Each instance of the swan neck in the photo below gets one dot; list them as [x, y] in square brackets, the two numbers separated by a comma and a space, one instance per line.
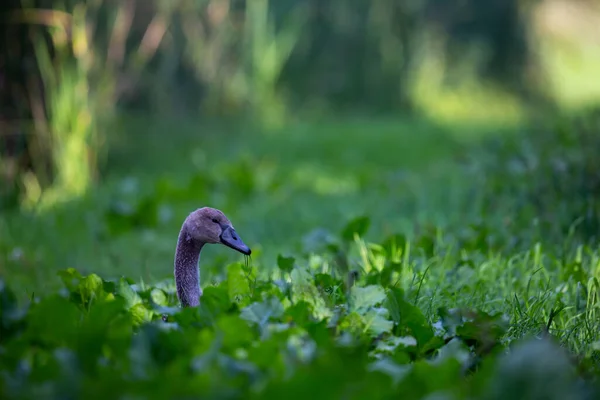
[187, 273]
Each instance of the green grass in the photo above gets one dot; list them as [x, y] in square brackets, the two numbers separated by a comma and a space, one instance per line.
[471, 235]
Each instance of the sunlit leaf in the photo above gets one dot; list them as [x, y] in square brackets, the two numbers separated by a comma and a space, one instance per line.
[91, 287]
[353, 322]
[261, 312]
[376, 322]
[303, 289]
[362, 298]
[140, 314]
[159, 297]
[126, 291]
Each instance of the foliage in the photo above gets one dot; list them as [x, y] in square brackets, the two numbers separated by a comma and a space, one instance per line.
[296, 336]
[389, 258]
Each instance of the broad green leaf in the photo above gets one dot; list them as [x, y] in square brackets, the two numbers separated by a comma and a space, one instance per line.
[236, 332]
[127, 292]
[410, 319]
[376, 321]
[352, 322]
[106, 323]
[214, 301]
[362, 298]
[372, 323]
[189, 316]
[303, 289]
[134, 303]
[267, 354]
[474, 325]
[140, 314]
[261, 312]
[238, 287]
[159, 297]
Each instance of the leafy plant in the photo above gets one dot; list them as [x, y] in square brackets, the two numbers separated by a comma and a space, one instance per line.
[249, 338]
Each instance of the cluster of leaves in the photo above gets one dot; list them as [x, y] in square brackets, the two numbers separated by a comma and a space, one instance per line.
[312, 330]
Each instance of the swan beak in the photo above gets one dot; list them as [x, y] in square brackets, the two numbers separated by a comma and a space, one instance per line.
[231, 239]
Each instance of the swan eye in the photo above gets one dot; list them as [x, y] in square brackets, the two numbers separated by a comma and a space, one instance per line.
[215, 220]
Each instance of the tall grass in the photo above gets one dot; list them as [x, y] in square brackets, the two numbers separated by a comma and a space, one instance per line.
[82, 82]
[71, 116]
[238, 56]
[266, 52]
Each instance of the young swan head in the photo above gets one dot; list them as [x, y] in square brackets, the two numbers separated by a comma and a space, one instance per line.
[209, 225]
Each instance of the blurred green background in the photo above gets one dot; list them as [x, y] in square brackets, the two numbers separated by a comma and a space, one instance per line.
[119, 117]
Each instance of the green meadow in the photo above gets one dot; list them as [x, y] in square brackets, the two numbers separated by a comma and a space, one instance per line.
[390, 257]
[418, 183]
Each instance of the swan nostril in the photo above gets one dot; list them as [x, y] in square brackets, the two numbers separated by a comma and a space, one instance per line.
[234, 238]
